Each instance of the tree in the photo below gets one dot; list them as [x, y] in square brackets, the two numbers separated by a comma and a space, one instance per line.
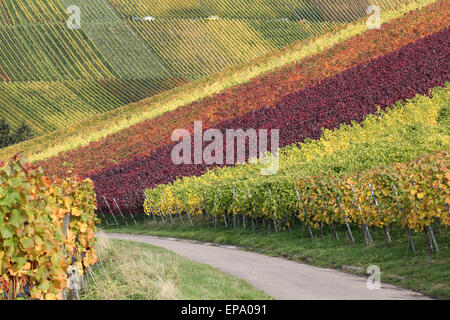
[22, 133]
[5, 130]
[8, 138]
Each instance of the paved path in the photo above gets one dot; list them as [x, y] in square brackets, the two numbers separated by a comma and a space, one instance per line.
[279, 278]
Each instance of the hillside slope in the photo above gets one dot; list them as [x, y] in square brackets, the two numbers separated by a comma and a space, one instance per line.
[98, 127]
[264, 91]
[118, 58]
[348, 80]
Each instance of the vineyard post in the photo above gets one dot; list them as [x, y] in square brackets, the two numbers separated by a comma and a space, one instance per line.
[307, 224]
[225, 221]
[385, 228]
[430, 245]
[112, 213]
[346, 221]
[408, 230]
[179, 212]
[150, 206]
[305, 213]
[170, 214]
[73, 290]
[160, 213]
[104, 217]
[120, 211]
[131, 214]
[433, 238]
[187, 211]
[367, 236]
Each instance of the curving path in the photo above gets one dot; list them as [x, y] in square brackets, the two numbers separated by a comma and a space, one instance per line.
[280, 278]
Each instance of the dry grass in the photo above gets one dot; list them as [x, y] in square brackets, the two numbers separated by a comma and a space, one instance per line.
[136, 271]
[127, 271]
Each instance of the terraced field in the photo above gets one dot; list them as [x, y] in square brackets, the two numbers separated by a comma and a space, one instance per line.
[118, 57]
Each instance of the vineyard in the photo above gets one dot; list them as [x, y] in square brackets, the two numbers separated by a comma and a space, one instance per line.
[323, 108]
[47, 226]
[42, 59]
[412, 195]
[100, 126]
[357, 120]
[154, 133]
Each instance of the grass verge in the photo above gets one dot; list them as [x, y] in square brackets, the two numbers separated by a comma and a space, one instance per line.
[138, 271]
[419, 271]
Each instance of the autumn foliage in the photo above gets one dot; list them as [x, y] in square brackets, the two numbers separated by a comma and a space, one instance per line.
[413, 194]
[342, 99]
[34, 252]
[264, 91]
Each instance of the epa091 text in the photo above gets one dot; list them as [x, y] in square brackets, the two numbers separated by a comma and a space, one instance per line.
[230, 309]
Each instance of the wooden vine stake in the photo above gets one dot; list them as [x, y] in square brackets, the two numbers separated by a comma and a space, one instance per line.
[160, 213]
[429, 243]
[104, 217]
[167, 205]
[385, 228]
[112, 213]
[73, 290]
[151, 208]
[179, 212]
[120, 211]
[367, 236]
[431, 240]
[187, 211]
[129, 212]
[350, 234]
